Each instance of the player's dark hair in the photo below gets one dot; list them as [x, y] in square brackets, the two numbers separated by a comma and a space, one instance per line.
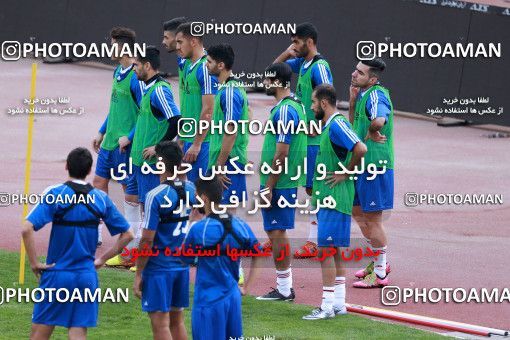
[306, 30]
[79, 163]
[377, 66]
[123, 35]
[282, 72]
[212, 188]
[170, 152]
[151, 56]
[222, 53]
[326, 91]
[185, 29]
[172, 24]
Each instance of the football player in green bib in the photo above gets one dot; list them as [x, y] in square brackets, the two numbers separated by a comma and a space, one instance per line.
[338, 144]
[283, 149]
[158, 121]
[197, 102]
[113, 141]
[371, 113]
[169, 42]
[230, 108]
[313, 70]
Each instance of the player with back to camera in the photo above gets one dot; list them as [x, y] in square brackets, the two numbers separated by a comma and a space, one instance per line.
[216, 310]
[75, 211]
[162, 281]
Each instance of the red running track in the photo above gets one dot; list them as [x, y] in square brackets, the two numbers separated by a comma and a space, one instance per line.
[429, 246]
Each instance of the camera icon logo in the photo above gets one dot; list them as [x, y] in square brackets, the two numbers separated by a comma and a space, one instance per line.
[411, 199]
[11, 50]
[187, 127]
[197, 28]
[391, 296]
[5, 200]
[366, 50]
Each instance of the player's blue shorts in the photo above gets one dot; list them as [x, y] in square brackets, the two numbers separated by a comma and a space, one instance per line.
[276, 218]
[311, 157]
[162, 290]
[334, 228]
[374, 195]
[111, 159]
[67, 314]
[223, 320]
[202, 161]
[237, 187]
[140, 184]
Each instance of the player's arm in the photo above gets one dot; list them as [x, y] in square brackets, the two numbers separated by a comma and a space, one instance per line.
[149, 227]
[280, 156]
[256, 262]
[146, 242]
[379, 110]
[96, 142]
[163, 107]
[342, 136]
[28, 239]
[121, 242]
[209, 88]
[41, 215]
[116, 225]
[286, 55]
[281, 118]
[232, 104]
[358, 151]
[166, 105]
[321, 75]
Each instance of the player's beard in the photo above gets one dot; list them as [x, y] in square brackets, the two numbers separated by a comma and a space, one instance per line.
[358, 84]
[215, 72]
[141, 75]
[319, 115]
[270, 91]
[303, 52]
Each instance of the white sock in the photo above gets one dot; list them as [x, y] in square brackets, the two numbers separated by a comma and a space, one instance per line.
[241, 273]
[99, 232]
[380, 262]
[328, 296]
[339, 292]
[284, 281]
[134, 217]
[312, 233]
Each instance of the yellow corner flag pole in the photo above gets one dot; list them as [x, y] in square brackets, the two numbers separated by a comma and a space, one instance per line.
[28, 161]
